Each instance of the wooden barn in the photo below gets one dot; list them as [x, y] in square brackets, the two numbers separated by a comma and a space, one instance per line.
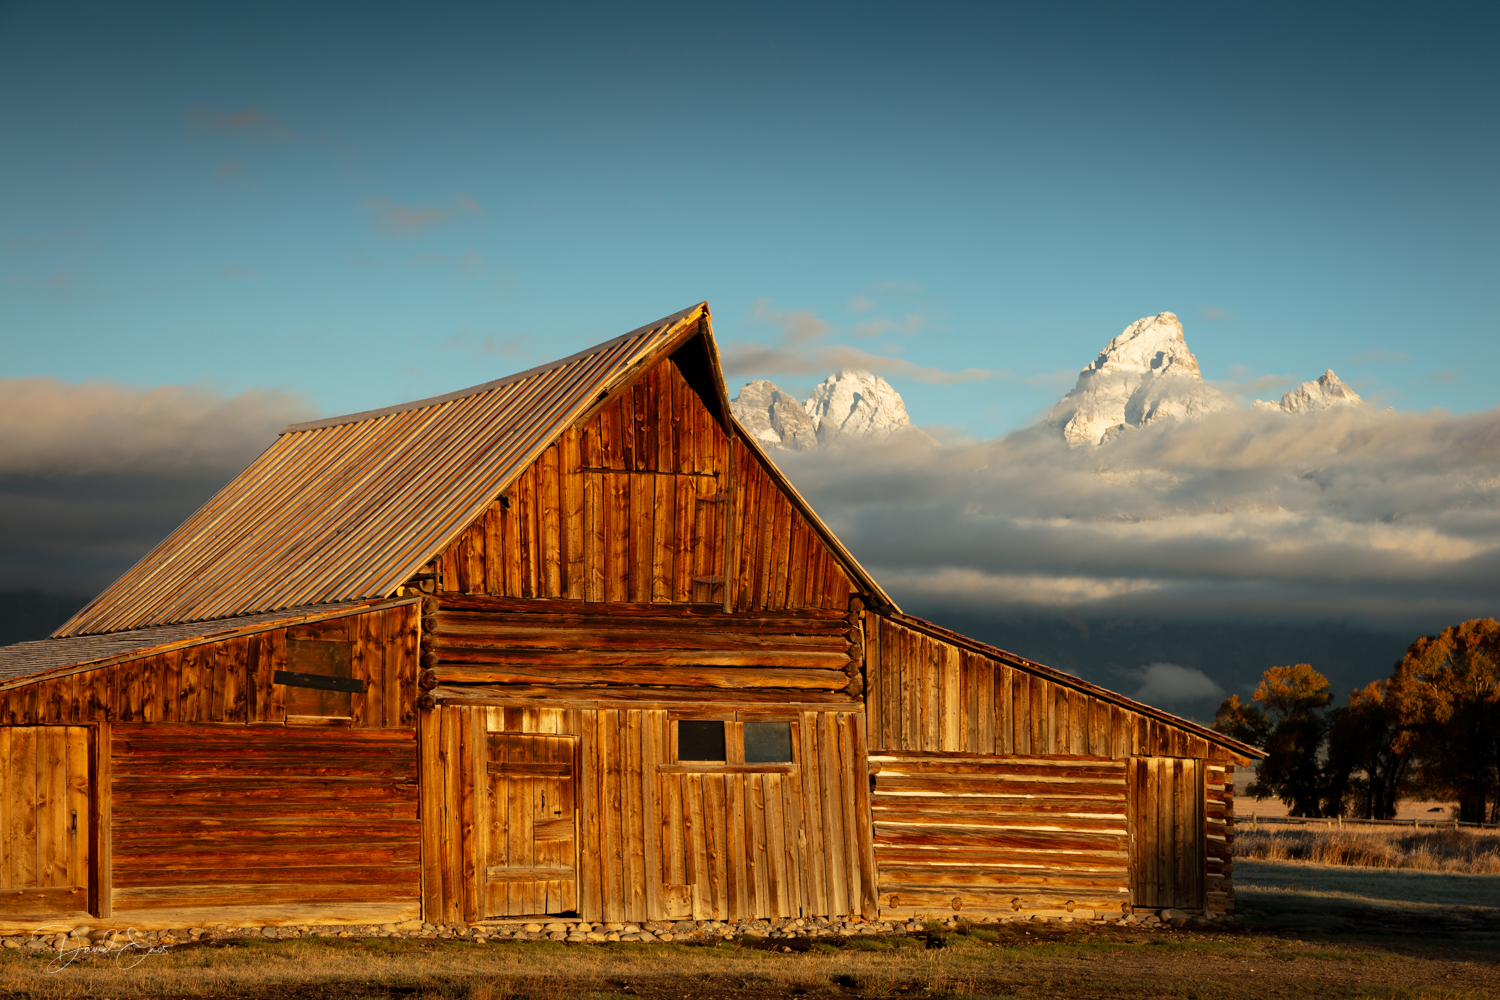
[566, 643]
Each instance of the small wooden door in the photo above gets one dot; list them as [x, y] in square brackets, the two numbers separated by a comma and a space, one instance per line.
[530, 838]
[1167, 856]
[44, 820]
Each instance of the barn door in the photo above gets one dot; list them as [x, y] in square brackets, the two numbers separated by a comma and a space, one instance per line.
[530, 842]
[44, 820]
[1166, 832]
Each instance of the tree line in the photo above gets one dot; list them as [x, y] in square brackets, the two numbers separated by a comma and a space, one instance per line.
[1432, 730]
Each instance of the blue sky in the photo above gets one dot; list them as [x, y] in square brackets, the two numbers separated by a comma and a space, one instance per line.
[366, 203]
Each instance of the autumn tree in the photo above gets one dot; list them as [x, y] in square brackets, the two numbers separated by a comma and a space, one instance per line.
[1445, 695]
[1287, 721]
[1367, 764]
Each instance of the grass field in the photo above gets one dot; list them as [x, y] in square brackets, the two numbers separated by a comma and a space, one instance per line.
[1474, 852]
[1041, 960]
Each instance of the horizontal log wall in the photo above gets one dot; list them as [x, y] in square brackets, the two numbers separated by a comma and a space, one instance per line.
[975, 834]
[231, 680]
[630, 507]
[927, 694]
[233, 816]
[1219, 824]
[473, 640]
[662, 841]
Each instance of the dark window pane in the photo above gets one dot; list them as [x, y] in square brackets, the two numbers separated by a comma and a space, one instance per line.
[768, 743]
[698, 740]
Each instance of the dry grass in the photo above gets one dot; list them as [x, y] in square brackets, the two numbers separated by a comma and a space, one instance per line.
[1041, 962]
[1470, 852]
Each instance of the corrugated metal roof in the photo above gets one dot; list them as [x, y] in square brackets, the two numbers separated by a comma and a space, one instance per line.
[26, 658]
[350, 507]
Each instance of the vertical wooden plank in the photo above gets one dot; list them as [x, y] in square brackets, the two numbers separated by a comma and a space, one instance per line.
[795, 840]
[634, 825]
[472, 771]
[10, 796]
[663, 537]
[836, 814]
[932, 694]
[575, 575]
[676, 862]
[721, 834]
[23, 816]
[51, 800]
[76, 748]
[850, 763]
[612, 846]
[101, 820]
[653, 737]
[780, 594]
[813, 806]
[594, 520]
[863, 824]
[778, 875]
[757, 859]
[740, 883]
[696, 833]
[549, 507]
[590, 855]
[948, 665]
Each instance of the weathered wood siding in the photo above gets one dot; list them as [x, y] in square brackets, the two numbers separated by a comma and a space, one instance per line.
[471, 640]
[777, 560]
[231, 681]
[975, 834]
[658, 840]
[630, 507]
[1167, 832]
[927, 694]
[1219, 833]
[263, 817]
[45, 841]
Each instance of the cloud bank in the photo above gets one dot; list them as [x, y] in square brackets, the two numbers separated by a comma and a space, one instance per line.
[94, 474]
[1378, 516]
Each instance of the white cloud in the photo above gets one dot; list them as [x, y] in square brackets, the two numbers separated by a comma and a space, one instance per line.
[1167, 684]
[94, 474]
[1352, 513]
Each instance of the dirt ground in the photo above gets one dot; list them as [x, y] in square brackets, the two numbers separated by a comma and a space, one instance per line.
[1304, 933]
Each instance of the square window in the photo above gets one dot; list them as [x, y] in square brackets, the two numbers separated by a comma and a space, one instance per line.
[700, 740]
[768, 743]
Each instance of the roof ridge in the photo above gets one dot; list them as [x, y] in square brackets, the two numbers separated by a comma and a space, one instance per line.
[417, 404]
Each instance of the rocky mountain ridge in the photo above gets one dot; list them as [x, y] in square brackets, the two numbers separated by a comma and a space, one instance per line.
[1324, 394]
[1144, 375]
[849, 404]
[1148, 374]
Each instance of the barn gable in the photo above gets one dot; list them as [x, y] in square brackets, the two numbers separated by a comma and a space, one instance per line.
[648, 500]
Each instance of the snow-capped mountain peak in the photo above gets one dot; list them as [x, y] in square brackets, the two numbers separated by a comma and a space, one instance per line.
[1145, 374]
[1324, 394]
[856, 403]
[776, 419]
[847, 404]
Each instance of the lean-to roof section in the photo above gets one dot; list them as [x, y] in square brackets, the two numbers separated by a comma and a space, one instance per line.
[350, 507]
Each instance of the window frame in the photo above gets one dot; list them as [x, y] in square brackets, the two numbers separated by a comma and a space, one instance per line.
[734, 742]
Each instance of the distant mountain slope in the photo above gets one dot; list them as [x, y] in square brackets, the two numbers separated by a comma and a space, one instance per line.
[849, 404]
[1145, 374]
[1324, 394]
